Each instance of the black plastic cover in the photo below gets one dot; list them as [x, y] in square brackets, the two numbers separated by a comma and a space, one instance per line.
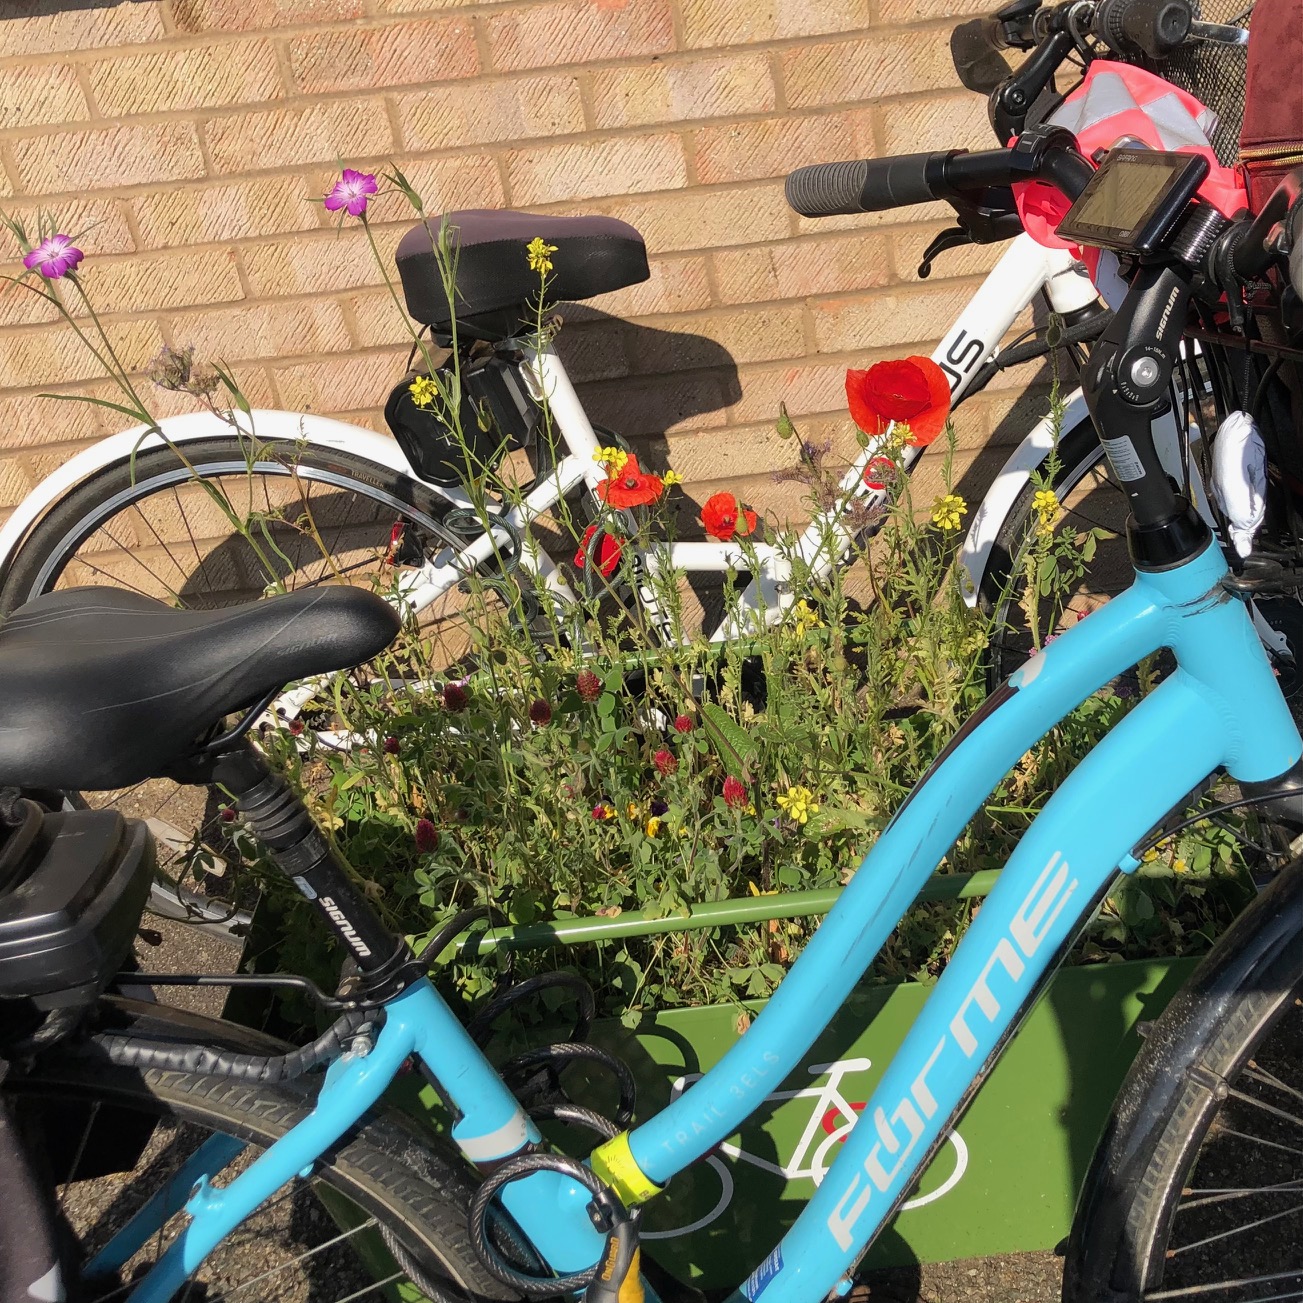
[497, 415]
[67, 920]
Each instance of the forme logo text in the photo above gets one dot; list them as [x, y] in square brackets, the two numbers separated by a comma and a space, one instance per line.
[899, 1131]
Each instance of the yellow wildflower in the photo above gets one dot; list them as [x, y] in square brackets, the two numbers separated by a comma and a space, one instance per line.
[946, 511]
[632, 809]
[898, 436]
[671, 477]
[612, 458]
[1180, 866]
[1045, 504]
[1149, 856]
[804, 618]
[653, 826]
[798, 804]
[423, 391]
[540, 255]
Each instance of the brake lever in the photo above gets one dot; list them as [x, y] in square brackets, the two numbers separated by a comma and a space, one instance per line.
[951, 238]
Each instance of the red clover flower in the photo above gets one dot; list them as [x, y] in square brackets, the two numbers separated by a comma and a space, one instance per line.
[735, 795]
[683, 724]
[426, 836]
[665, 762]
[588, 685]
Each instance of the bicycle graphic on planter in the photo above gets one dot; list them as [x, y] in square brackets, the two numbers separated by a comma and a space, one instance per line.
[831, 1117]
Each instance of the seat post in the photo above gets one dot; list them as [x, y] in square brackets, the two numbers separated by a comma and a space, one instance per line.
[282, 823]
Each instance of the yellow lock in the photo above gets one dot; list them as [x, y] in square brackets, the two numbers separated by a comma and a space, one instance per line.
[615, 1164]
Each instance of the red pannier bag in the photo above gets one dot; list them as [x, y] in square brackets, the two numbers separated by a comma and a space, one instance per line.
[1271, 138]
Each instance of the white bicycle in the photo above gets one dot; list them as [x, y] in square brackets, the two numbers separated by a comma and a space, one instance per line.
[832, 1115]
[316, 499]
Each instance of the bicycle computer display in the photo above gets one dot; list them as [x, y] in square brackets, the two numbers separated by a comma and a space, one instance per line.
[1131, 203]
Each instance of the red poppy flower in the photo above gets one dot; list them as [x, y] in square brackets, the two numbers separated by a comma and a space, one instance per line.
[877, 472]
[631, 487]
[609, 551]
[723, 516]
[914, 391]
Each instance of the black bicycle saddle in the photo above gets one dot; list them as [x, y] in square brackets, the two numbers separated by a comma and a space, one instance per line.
[101, 688]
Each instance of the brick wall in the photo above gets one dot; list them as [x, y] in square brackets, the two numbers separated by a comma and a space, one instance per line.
[191, 139]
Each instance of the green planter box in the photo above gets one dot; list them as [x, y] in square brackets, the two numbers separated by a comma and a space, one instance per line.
[1006, 1181]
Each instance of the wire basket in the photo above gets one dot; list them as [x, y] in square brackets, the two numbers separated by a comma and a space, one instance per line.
[1215, 74]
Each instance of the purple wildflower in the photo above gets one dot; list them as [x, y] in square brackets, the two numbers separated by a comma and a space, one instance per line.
[659, 808]
[54, 257]
[350, 192]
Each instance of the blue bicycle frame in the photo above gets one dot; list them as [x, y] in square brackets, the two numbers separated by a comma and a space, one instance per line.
[1220, 709]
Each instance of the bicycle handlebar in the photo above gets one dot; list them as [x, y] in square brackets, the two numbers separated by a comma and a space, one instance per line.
[874, 184]
[1129, 28]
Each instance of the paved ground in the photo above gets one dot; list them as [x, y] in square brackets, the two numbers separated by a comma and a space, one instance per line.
[1014, 1278]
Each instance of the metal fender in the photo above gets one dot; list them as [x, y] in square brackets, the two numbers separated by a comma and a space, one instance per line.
[975, 555]
[304, 427]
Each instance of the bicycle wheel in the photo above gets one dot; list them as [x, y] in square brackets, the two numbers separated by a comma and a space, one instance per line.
[1198, 1190]
[381, 1197]
[226, 520]
[1090, 499]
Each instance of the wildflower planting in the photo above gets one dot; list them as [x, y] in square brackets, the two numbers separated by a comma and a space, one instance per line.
[600, 755]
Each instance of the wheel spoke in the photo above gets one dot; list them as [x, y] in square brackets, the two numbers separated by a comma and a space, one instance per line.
[1221, 1286]
[304, 1256]
[1204, 1197]
[1291, 1118]
[75, 1165]
[1219, 1236]
[1261, 1140]
[1255, 1072]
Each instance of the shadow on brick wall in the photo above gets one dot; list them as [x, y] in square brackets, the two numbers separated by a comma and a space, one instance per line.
[48, 8]
[642, 382]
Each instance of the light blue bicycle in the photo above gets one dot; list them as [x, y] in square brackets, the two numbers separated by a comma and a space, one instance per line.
[103, 688]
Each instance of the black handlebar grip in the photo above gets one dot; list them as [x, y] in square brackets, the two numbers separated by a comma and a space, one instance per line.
[864, 186]
[1150, 27]
[975, 51]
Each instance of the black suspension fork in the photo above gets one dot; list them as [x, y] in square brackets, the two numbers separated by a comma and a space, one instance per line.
[1126, 384]
[279, 819]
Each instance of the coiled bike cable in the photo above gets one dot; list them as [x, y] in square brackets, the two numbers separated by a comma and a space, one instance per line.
[514, 1169]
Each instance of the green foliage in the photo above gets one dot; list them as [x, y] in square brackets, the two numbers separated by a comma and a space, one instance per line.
[599, 806]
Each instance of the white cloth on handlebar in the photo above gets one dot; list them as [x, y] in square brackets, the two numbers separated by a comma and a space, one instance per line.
[1239, 478]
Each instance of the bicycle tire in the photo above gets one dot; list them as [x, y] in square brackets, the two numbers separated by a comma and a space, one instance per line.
[44, 555]
[1177, 1122]
[416, 1193]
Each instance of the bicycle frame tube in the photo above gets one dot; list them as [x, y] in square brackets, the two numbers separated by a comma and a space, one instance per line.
[1221, 707]
[491, 1125]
